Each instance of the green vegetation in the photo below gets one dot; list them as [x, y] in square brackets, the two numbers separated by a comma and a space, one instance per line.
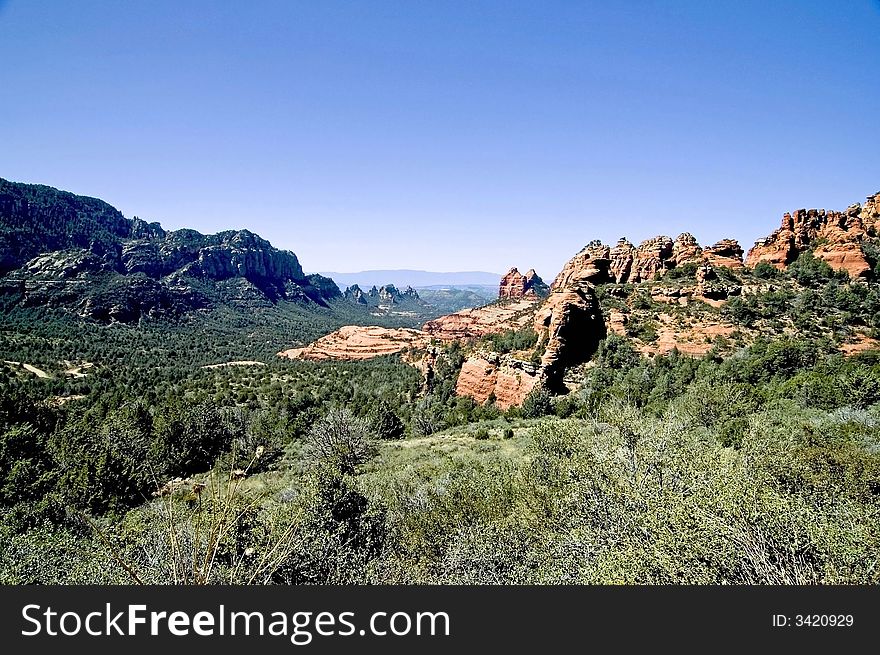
[512, 340]
[686, 271]
[179, 447]
[760, 468]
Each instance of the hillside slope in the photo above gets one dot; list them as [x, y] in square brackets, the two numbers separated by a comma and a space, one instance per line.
[58, 249]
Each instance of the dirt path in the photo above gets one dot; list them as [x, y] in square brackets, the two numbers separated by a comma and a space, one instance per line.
[244, 362]
[32, 369]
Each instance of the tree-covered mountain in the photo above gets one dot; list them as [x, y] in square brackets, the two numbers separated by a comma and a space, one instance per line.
[58, 249]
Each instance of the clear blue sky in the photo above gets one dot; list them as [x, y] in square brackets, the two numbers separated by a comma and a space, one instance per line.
[446, 135]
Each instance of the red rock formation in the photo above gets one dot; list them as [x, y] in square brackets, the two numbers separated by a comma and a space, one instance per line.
[871, 212]
[835, 237]
[570, 326]
[513, 284]
[726, 252]
[516, 285]
[652, 259]
[484, 375]
[354, 342]
[480, 321]
[686, 249]
[591, 264]
[599, 264]
[621, 257]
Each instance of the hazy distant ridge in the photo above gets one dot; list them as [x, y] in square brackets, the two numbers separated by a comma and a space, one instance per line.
[404, 277]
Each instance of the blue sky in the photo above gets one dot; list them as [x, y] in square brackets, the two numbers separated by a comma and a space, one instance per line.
[446, 135]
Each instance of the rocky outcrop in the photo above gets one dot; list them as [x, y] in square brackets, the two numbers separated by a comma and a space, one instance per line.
[596, 263]
[601, 264]
[355, 294]
[243, 254]
[621, 260]
[80, 254]
[480, 321]
[516, 285]
[833, 236]
[354, 342]
[569, 326]
[386, 298]
[507, 380]
[652, 258]
[686, 249]
[726, 252]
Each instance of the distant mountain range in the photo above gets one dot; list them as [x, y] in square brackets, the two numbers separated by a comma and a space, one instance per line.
[81, 255]
[61, 250]
[417, 279]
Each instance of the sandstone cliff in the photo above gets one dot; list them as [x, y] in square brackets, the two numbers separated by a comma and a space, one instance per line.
[600, 264]
[833, 236]
[502, 377]
[569, 326]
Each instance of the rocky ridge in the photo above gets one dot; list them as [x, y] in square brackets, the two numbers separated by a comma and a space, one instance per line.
[625, 263]
[837, 238]
[385, 297]
[62, 250]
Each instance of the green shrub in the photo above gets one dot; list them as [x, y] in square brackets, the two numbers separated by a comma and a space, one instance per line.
[385, 422]
[538, 403]
[765, 271]
[808, 270]
[685, 271]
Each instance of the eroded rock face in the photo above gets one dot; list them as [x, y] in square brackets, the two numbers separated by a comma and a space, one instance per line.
[354, 342]
[516, 285]
[601, 264]
[621, 260]
[570, 325]
[590, 265]
[243, 254]
[653, 257]
[488, 375]
[726, 252]
[686, 249]
[480, 321]
[835, 237]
